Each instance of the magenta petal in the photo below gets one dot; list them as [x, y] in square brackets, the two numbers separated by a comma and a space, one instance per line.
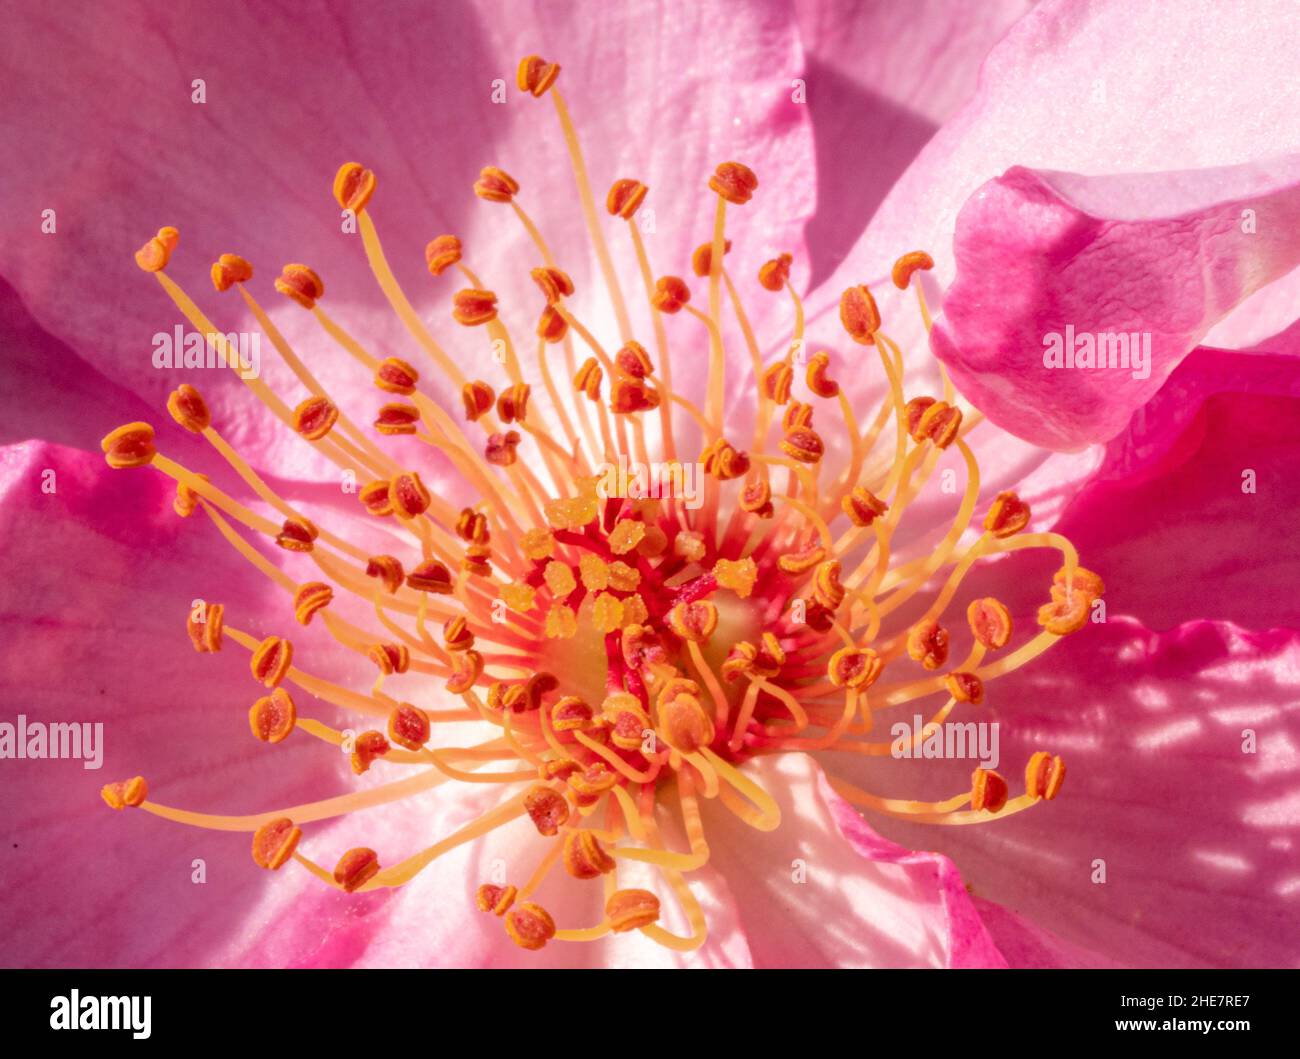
[100, 578]
[1048, 261]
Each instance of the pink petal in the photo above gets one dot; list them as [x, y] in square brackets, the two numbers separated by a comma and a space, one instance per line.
[118, 149]
[881, 79]
[1156, 258]
[1198, 838]
[1105, 87]
[863, 901]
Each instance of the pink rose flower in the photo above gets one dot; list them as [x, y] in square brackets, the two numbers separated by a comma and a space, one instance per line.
[1101, 167]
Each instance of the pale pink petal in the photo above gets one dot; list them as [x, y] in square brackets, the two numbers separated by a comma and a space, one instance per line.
[881, 78]
[1137, 267]
[1097, 88]
[117, 148]
[823, 889]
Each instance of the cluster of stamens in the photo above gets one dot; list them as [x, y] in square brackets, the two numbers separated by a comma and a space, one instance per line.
[615, 648]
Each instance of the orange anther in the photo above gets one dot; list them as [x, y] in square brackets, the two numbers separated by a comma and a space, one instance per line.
[500, 448]
[585, 857]
[274, 843]
[315, 417]
[529, 926]
[390, 658]
[905, 266]
[632, 395]
[473, 307]
[356, 868]
[129, 446]
[188, 408]
[271, 660]
[273, 716]
[430, 576]
[803, 445]
[553, 283]
[547, 808]
[965, 687]
[1084, 581]
[397, 417]
[671, 294]
[536, 75]
[862, 506]
[818, 382]
[297, 535]
[369, 745]
[734, 182]
[186, 499]
[353, 186]
[408, 495]
[472, 526]
[527, 696]
[936, 420]
[740, 661]
[627, 728]
[310, 598]
[684, 724]
[1044, 775]
[633, 360]
[1065, 614]
[495, 899]
[859, 315]
[777, 381]
[441, 253]
[702, 257]
[694, 621]
[798, 416]
[570, 714]
[630, 909]
[988, 790]
[230, 269]
[589, 784]
[756, 498]
[625, 197]
[927, 643]
[205, 632]
[774, 274]
[826, 587]
[125, 793]
[1007, 515]
[301, 284]
[396, 376]
[800, 562]
[386, 569]
[990, 622]
[375, 499]
[552, 326]
[588, 378]
[723, 461]
[154, 255]
[641, 647]
[477, 560]
[477, 397]
[512, 405]
[457, 635]
[408, 726]
[854, 667]
[466, 668]
[495, 185]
